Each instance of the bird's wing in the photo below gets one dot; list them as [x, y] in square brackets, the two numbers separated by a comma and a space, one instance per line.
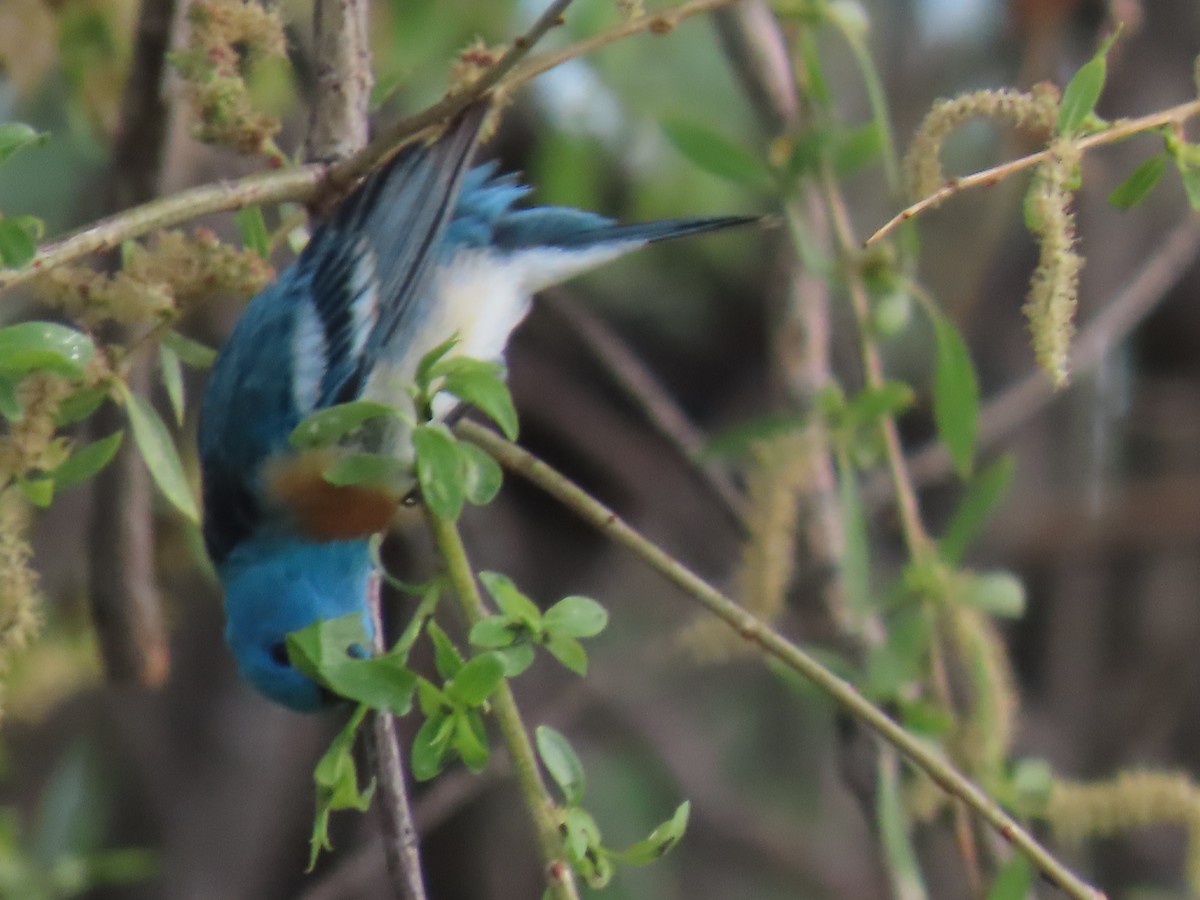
[370, 265]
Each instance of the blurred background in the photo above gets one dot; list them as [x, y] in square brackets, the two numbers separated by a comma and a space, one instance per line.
[1102, 522]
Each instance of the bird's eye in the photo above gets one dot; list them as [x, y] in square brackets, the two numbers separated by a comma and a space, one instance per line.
[279, 654]
[358, 651]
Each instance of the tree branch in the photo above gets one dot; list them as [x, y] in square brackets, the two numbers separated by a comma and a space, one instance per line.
[917, 751]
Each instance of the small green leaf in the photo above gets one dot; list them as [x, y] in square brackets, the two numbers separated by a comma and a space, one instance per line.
[158, 450]
[482, 475]
[857, 148]
[470, 742]
[1014, 880]
[193, 353]
[323, 652]
[172, 379]
[1191, 184]
[44, 345]
[516, 658]
[336, 779]
[986, 490]
[476, 680]
[253, 229]
[79, 405]
[10, 401]
[327, 426]
[430, 745]
[1134, 189]
[424, 374]
[511, 601]
[16, 136]
[870, 405]
[575, 616]
[446, 658]
[481, 384]
[493, 632]
[439, 470]
[737, 441]
[955, 395]
[37, 490]
[561, 761]
[1081, 93]
[364, 468]
[716, 154]
[431, 700]
[997, 593]
[569, 652]
[86, 461]
[17, 245]
[895, 830]
[660, 840]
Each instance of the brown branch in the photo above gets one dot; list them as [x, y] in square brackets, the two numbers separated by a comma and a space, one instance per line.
[338, 126]
[123, 588]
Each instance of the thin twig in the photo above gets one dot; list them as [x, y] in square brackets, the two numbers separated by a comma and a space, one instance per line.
[123, 587]
[1118, 131]
[660, 409]
[1007, 411]
[917, 751]
[560, 878]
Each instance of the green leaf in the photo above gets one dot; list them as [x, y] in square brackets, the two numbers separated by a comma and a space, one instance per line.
[44, 345]
[37, 490]
[894, 831]
[856, 560]
[17, 245]
[575, 616]
[253, 229]
[471, 742]
[737, 441]
[1032, 783]
[431, 700]
[870, 405]
[569, 652]
[172, 379]
[439, 470]
[322, 651]
[79, 405]
[1081, 93]
[660, 840]
[482, 475]
[716, 154]
[955, 395]
[997, 593]
[494, 632]
[1191, 184]
[857, 148]
[1014, 880]
[1134, 189]
[511, 601]
[193, 353]
[424, 374]
[16, 136]
[446, 658]
[481, 384]
[327, 426]
[986, 490]
[158, 450]
[476, 680]
[86, 461]
[364, 468]
[430, 745]
[561, 761]
[10, 402]
[336, 779]
[516, 658]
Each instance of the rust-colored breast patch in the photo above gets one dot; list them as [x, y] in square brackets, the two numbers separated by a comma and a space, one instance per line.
[324, 511]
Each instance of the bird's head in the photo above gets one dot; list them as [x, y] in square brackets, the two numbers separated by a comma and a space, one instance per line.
[276, 586]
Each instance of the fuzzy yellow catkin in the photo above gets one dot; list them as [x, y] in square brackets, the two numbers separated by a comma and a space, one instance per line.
[1036, 111]
[1054, 288]
[20, 600]
[774, 487]
[226, 38]
[992, 718]
[1130, 800]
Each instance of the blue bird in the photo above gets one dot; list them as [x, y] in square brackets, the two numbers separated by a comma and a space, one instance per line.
[423, 249]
